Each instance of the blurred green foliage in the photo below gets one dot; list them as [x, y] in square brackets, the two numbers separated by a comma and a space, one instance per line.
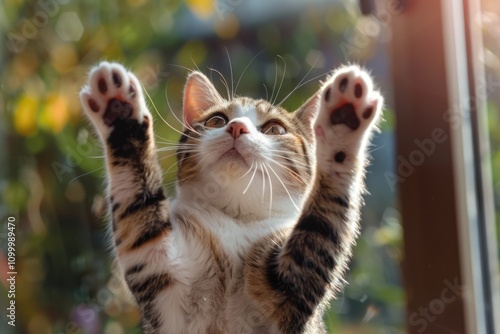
[491, 59]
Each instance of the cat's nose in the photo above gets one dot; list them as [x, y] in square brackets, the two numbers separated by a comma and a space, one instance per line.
[236, 128]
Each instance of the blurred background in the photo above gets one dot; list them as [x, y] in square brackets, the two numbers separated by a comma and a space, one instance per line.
[51, 174]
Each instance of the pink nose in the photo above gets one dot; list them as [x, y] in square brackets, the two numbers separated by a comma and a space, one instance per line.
[236, 129]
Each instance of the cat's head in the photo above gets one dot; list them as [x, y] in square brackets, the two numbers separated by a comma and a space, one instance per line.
[244, 156]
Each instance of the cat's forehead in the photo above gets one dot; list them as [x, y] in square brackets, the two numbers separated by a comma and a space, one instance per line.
[256, 110]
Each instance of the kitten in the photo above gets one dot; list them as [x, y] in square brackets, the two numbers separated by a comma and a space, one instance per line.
[260, 232]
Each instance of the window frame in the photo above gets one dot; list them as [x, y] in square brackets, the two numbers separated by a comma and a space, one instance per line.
[447, 200]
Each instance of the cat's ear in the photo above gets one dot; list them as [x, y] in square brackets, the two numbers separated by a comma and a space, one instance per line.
[307, 113]
[199, 95]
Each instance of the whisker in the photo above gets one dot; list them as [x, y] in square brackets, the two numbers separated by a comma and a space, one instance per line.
[190, 156]
[166, 157]
[241, 76]
[275, 77]
[294, 174]
[165, 139]
[180, 180]
[231, 71]
[267, 93]
[171, 166]
[284, 186]
[178, 162]
[175, 149]
[95, 156]
[301, 83]
[163, 119]
[169, 169]
[223, 80]
[300, 163]
[282, 79]
[184, 125]
[290, 163]
[162, 152]
[169, 184]
[180, 66]
[376, 148]
[184, 150]
[270, 189]
[171, 154]
[251, 180]
[175, 144]
[194, 63]
[263, 184]
[288, 151]
[190, 177]
[287, 154]
[248, 171]
[84, 174]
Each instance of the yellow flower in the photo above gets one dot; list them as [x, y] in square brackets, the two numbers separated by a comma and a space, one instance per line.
[25, 115]
[202, 8]
[55, 113]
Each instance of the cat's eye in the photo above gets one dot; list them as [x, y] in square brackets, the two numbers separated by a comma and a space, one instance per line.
[273, 128]
[216, 121]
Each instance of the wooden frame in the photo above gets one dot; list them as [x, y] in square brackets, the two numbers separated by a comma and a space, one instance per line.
[442, 184]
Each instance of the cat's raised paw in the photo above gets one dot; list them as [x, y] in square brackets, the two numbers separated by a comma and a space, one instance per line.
[348, 102]
[349, 109]
[112, 95]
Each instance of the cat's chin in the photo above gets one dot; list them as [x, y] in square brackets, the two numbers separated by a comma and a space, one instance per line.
[234, 161]
[233, 153]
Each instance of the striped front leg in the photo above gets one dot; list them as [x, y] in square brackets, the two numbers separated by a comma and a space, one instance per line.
[298, 274]
[114, 102]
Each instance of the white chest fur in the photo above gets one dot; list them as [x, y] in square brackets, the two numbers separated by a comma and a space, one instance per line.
[208, 288]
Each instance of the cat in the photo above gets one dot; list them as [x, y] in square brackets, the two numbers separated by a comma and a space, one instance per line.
[259, 234]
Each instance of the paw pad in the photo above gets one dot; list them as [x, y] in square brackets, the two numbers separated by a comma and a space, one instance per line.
[93, 105]
[117, 80]
[113, 94]
[345, 115]
[339, 157]
[349, 98]
[368, 112]
[358, 90]
[103, 87]
[327, 94]
[117, 110]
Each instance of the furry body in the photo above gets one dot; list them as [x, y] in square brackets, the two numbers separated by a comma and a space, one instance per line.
[267, 206]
